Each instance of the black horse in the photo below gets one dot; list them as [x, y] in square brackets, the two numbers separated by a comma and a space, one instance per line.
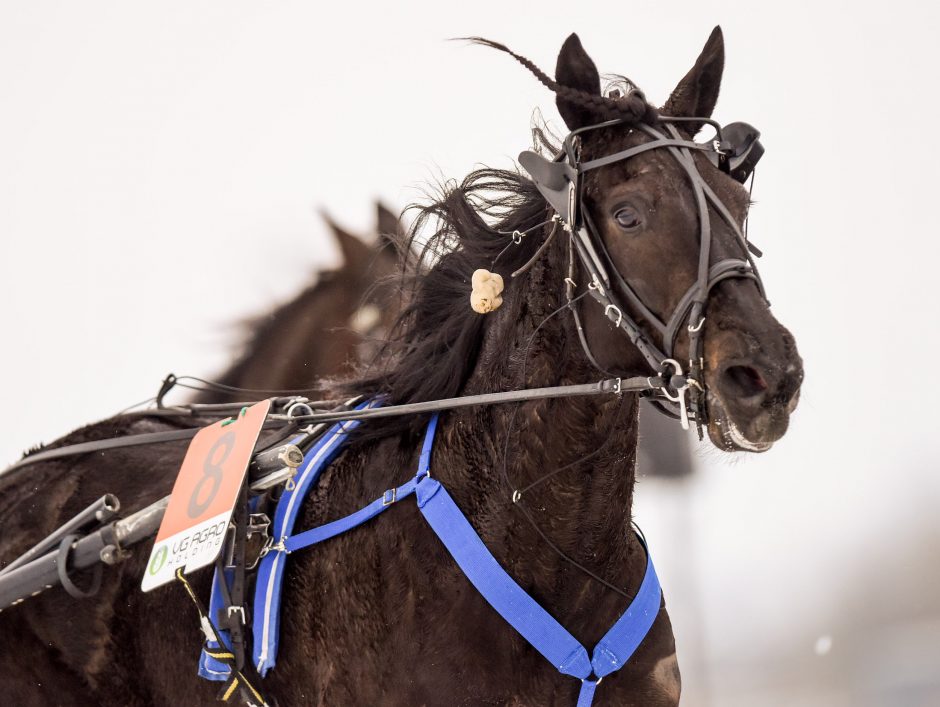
[382, 615]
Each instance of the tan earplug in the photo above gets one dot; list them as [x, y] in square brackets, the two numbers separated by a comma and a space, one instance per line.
[487, 288]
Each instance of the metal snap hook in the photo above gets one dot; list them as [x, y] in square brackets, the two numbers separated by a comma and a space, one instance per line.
[697, 327]
[617, 310]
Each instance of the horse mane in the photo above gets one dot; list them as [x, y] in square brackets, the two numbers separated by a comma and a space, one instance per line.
[433, 346]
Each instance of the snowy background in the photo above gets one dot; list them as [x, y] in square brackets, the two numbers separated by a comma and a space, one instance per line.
[161, 167]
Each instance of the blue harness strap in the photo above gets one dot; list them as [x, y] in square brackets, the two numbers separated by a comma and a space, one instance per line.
[511, 601]
[267, 602]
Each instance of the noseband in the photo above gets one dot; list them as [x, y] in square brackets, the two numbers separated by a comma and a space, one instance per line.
[735, 150]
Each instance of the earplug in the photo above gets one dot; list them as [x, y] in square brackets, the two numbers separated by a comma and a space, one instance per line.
[487, 288]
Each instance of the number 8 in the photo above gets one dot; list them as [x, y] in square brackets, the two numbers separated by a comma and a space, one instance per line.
[211, 472]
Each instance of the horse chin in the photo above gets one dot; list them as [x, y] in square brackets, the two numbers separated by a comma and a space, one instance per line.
[726, 435]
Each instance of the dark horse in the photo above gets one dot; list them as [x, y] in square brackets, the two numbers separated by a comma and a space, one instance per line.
[382, 615]
[337, 320]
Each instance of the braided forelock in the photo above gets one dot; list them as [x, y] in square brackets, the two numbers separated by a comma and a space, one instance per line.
[632, 107]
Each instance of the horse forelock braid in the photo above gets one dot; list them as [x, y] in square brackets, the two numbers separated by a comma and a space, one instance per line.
[633, 106]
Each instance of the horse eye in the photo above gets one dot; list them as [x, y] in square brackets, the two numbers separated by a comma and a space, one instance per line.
[627, 217]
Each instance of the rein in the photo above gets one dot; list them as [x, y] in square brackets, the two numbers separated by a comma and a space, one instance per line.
[639, 384]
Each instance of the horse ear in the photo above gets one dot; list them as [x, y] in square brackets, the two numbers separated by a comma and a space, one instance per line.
[697, 92]
[391, 229]
[576, 70]
[353, 250]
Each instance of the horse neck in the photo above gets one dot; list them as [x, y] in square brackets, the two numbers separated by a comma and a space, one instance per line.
[584, 509]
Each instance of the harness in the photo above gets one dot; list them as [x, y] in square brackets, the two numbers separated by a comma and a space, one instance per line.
[735, 150]
[451, 526]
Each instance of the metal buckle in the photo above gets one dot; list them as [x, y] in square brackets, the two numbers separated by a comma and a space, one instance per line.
[389, 497]
[258, 523]
[681, 396]
[617, 310]
[239, 610]
[720, 146]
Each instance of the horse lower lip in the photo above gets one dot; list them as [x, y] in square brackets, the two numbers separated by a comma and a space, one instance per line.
[731, 434]
[743, 442]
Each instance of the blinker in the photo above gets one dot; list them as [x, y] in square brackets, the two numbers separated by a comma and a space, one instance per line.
[553, 180]
[738, 150]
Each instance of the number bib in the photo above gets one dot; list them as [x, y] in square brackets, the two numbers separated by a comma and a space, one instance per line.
[196, 520]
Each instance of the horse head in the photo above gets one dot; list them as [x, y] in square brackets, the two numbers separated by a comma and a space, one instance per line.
[658, 222]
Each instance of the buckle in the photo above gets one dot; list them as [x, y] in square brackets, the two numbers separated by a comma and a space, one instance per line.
[389, 497]
[237, 611]
[681, 395]
[226, 613]
[258, 523]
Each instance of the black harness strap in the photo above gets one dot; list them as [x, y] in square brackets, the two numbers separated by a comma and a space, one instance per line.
[232, 616]
[243, 680]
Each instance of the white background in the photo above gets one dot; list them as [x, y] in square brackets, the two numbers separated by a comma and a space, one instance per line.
[161, 165]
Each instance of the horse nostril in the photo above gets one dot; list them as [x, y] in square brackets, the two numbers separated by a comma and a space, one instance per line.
[745, 381]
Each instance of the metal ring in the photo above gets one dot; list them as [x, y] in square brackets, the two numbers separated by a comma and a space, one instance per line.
[616, 309]
[516, 496]
[298, 409]
[61, 564]
[517, 237]
[674, 363]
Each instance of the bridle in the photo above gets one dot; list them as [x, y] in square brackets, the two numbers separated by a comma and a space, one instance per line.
[735, 150]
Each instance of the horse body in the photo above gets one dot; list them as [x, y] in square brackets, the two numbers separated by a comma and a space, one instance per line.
[383, 614]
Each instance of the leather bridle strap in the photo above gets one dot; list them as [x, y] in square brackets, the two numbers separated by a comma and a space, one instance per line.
[587, 243]
[632, 151]
[722, 270]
